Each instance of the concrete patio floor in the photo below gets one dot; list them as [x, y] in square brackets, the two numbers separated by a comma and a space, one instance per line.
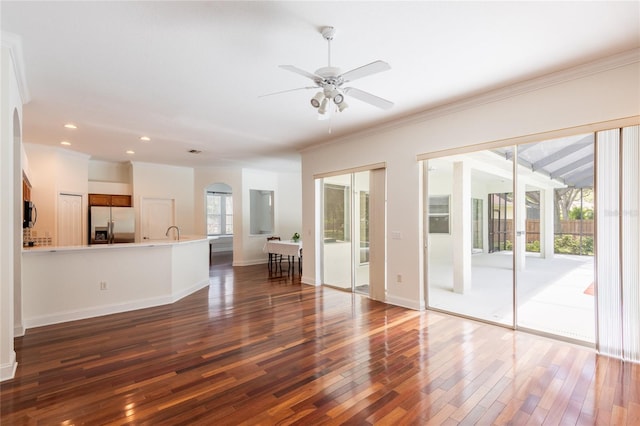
[553, 294]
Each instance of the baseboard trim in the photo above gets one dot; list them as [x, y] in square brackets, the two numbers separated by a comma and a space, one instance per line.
[404, 302]
[308, 280]
[18, 330]
[250, 262]
[97, 311]
[8, 370]
[184, 293]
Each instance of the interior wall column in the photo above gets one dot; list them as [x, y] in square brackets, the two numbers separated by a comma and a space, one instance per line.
[8, 362]
[461, 227]
[547, 224]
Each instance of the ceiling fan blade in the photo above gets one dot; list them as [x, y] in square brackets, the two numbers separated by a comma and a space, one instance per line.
[365, 70]
[304, 73]
[368, 98]
[290, 90]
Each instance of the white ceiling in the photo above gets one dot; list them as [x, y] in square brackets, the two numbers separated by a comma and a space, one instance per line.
[189, 74]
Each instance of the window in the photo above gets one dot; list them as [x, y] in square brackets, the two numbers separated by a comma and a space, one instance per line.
[261, 205]
[219, 213]
[439, 214]
[337, 213]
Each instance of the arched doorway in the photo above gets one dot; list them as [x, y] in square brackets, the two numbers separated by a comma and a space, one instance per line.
[219, 223]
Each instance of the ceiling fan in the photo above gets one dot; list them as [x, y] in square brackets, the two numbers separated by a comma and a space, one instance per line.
[331, 81]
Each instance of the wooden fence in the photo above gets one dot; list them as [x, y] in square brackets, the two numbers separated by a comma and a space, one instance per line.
[567, 227]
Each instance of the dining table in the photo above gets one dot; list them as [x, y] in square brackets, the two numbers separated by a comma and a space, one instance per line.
[291, 249]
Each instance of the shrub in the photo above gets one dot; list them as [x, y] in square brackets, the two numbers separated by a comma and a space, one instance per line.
[569, 244]
[534, 246]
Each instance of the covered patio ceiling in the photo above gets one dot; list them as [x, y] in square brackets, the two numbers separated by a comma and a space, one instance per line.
[568, 160]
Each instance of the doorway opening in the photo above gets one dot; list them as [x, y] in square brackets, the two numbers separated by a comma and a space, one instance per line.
[219, 218]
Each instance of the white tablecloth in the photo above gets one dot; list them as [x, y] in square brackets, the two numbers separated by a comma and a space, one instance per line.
[285, 248]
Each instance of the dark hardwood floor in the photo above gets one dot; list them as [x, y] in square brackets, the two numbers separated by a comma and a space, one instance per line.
[254, 349]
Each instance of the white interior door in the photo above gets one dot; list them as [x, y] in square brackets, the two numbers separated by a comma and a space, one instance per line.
[70, 220]
[157, 214]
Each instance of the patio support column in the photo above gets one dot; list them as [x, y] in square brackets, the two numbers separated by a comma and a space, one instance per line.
[520, 222]
[547, 224]
[461, 227]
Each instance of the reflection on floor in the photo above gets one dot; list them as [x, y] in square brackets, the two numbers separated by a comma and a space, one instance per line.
[363, 289]
[223, 258]
[553, 294]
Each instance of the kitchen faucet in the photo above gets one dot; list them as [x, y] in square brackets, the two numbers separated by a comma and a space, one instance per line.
[169, 229]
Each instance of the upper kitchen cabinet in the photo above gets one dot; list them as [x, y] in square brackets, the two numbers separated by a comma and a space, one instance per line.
[110, 200]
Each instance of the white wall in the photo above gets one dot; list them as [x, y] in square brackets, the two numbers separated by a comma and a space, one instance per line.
[10, 194]
[288, 209]
[109, 171]
[168, 182]
[108, 177]
[608, 90]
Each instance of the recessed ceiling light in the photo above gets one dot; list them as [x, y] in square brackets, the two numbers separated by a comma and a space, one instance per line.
[130, 152]
[70, 126]
[145, 138]
[65, 143]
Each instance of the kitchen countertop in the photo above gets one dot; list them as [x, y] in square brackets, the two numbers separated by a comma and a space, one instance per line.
[183, 240]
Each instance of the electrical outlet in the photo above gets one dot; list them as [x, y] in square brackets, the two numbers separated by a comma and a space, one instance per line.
[103, 285]
[399, 278]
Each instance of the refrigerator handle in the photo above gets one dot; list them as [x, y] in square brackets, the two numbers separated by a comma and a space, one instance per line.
[110, 236]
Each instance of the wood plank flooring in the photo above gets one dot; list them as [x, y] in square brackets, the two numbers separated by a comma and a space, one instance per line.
[253, 349]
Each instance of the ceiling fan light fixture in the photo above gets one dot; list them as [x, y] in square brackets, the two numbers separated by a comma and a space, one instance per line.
[323, 106]
[342, 106]
[338, 98]
[315, 101]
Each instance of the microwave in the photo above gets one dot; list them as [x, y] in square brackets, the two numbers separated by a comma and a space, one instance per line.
[30, 215]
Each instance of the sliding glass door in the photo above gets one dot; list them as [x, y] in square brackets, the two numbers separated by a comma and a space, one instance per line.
[524, 257]
[470, 263]
[346, 242]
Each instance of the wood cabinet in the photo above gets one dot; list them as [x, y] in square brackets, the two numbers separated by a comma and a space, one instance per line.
[121, 200]
[109, 200]
[26, 191]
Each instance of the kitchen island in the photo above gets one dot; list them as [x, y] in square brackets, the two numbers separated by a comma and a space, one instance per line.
[62, 284]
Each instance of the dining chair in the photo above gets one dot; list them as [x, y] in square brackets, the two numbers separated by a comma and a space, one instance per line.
[274, 257]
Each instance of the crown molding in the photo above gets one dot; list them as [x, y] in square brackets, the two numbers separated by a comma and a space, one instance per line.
[552, 79]
[13, 43]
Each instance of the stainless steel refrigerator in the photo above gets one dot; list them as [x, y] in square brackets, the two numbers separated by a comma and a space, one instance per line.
[110, 225]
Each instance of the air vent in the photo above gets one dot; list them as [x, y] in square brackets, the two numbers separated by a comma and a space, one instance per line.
[195, 151]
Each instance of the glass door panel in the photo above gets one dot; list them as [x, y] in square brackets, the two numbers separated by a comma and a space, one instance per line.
[555, 256]
[337, 248]
[361, 217]
[464, 276]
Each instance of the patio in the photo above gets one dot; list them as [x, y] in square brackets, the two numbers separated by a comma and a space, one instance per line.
[554, 295]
